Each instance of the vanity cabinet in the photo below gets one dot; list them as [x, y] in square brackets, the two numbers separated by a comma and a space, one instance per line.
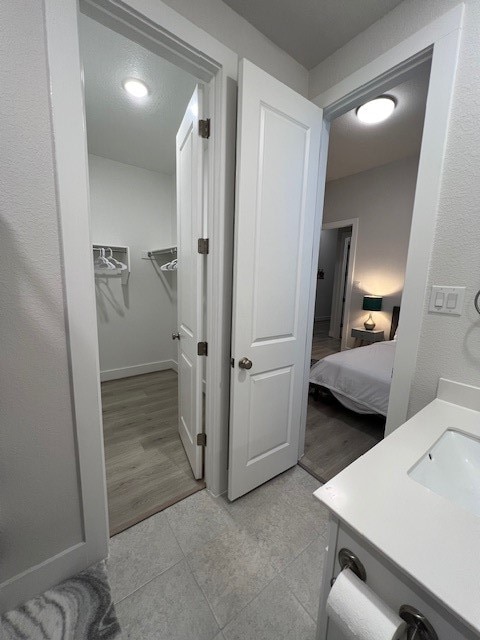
[388, 581]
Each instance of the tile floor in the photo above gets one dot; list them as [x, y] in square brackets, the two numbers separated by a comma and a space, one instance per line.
[207, 569]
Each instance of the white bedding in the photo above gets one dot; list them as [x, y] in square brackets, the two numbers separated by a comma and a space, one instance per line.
[359, 378]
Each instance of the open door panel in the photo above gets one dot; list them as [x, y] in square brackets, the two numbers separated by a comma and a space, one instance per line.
[278, 147]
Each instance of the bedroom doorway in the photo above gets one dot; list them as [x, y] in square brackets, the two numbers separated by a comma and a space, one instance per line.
[334, 287]
[371, 174]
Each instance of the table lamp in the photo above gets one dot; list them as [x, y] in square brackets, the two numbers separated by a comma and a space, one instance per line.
[371, 303]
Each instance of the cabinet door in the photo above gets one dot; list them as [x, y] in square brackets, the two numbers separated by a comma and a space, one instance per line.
[394, 587]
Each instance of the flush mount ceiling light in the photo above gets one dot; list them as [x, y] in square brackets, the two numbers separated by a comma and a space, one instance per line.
[135, 88]
[376, 110]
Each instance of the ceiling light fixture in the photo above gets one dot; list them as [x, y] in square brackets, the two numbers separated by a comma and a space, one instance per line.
[376, 110]
[135, 88]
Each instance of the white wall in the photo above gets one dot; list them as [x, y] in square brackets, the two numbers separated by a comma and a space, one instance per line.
[40, 511]
[134, 207]
[449, 346]
[326, 260]
[382, 199]
[227, 26]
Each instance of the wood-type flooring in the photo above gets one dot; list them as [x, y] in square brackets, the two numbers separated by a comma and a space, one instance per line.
[335, 436]
[147, 468]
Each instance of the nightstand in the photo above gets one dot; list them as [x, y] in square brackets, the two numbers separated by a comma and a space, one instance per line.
[366, 336]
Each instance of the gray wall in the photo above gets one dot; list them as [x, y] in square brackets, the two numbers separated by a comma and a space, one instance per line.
[40, 511]
[449, 346]
[382, 200]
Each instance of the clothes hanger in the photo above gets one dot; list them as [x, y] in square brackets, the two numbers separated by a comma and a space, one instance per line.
[170, 266]
[102, 263]
[116, 263]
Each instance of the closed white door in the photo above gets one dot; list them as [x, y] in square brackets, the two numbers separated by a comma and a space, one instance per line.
[190, 280]
[278, 146]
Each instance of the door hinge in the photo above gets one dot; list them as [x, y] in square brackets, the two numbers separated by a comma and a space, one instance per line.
[203, 246]
[202, 439]
[202, 349]
[204, 128]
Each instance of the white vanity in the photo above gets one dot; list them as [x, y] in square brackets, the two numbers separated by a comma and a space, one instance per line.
[409, 510]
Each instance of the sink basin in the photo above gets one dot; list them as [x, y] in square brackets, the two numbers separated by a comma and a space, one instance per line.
[451, 468]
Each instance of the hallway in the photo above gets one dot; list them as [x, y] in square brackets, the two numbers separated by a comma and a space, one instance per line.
[322, 344]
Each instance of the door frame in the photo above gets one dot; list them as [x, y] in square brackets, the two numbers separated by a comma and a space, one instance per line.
[440, 42]
[339, 224]
[163, 31]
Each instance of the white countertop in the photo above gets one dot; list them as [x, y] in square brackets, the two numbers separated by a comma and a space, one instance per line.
[434, 541]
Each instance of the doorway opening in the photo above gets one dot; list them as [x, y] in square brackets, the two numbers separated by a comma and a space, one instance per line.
[333, 286]
[145, 160]
[371, 177]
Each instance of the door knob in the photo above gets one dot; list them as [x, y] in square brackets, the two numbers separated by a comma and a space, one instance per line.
[175, 336]
[245, 363]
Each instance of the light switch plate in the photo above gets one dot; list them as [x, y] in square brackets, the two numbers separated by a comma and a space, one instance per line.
[457, 310]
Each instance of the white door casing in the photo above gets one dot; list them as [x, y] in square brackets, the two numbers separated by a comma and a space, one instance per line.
[190, 270]
[278, 147]
[339, 312]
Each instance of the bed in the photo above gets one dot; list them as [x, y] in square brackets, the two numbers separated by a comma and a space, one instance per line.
[360, 378]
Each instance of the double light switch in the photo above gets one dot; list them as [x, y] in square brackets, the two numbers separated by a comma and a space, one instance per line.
[447, 300]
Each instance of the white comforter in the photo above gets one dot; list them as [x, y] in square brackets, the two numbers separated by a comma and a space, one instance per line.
[359, 378]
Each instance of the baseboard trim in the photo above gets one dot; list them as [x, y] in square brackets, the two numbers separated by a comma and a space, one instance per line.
[35, 580]
[138, 369]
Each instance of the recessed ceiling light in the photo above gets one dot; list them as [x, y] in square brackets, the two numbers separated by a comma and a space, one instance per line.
[135, 88]
[376, 110]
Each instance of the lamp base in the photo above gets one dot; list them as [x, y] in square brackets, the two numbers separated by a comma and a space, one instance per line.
[369, 324]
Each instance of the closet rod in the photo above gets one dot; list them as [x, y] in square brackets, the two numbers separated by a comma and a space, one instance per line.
[158, 252]
[99, 247]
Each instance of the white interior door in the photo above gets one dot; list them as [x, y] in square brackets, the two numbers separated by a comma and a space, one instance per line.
[190, 279]
[278, 148]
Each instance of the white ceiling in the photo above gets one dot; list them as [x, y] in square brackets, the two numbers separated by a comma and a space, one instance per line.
[141, 134]
[311, 30]
[356, 147]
